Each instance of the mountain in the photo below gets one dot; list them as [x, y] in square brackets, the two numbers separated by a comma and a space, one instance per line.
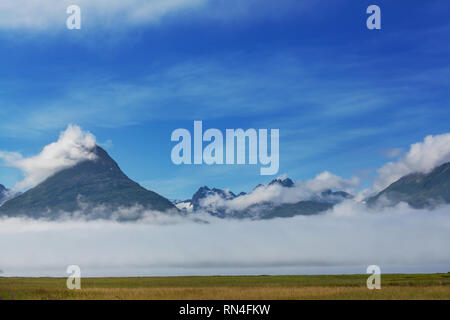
[6, 194]
[303, 208]
[3, 194]
[205, 192]
[269, 210]
[184, 205]
[197, 204]
[97, 186]
[419, 190]
[330, 196]
[217, 206]
[288, 183]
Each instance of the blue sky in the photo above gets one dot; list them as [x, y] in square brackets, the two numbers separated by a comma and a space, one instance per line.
[342, 96]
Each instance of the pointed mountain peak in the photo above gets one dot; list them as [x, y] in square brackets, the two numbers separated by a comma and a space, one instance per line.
[286, 182]
[102, 158]
[87, 186]
[205, 192]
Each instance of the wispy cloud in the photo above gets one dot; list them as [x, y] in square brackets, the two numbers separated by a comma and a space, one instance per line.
[210, 88]
[51, 14]
[31, 15]
[393, 152]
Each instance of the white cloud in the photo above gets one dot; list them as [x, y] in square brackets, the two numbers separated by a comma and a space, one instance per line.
[421, 157]
[108, 144]
[72, 147]
[349, 236]
[43, 15]
[327, 180]
[213, 91]
[393, 152]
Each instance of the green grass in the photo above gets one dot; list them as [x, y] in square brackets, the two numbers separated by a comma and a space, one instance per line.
[394, 286]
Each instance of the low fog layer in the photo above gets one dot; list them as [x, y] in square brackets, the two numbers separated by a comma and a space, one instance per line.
[345, 239]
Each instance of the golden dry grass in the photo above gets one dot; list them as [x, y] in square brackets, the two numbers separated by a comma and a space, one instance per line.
[231, 288]
[307, 293]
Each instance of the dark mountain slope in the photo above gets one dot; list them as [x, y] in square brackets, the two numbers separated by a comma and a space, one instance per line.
[419, 190]
[288, 183]
[302, 208]
[3, 192]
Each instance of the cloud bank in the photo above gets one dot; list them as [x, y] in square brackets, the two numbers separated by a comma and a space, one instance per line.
[421, 157]
[349, 237]
[72, 147]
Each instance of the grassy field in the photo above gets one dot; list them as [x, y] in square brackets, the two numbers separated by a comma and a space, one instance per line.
[394, 286]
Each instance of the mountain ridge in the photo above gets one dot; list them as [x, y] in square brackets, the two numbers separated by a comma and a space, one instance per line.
[321, 202]
[100, 186]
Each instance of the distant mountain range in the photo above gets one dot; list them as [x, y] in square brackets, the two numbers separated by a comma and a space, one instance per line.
[91, 186]
[99, 186]
[262, 210]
